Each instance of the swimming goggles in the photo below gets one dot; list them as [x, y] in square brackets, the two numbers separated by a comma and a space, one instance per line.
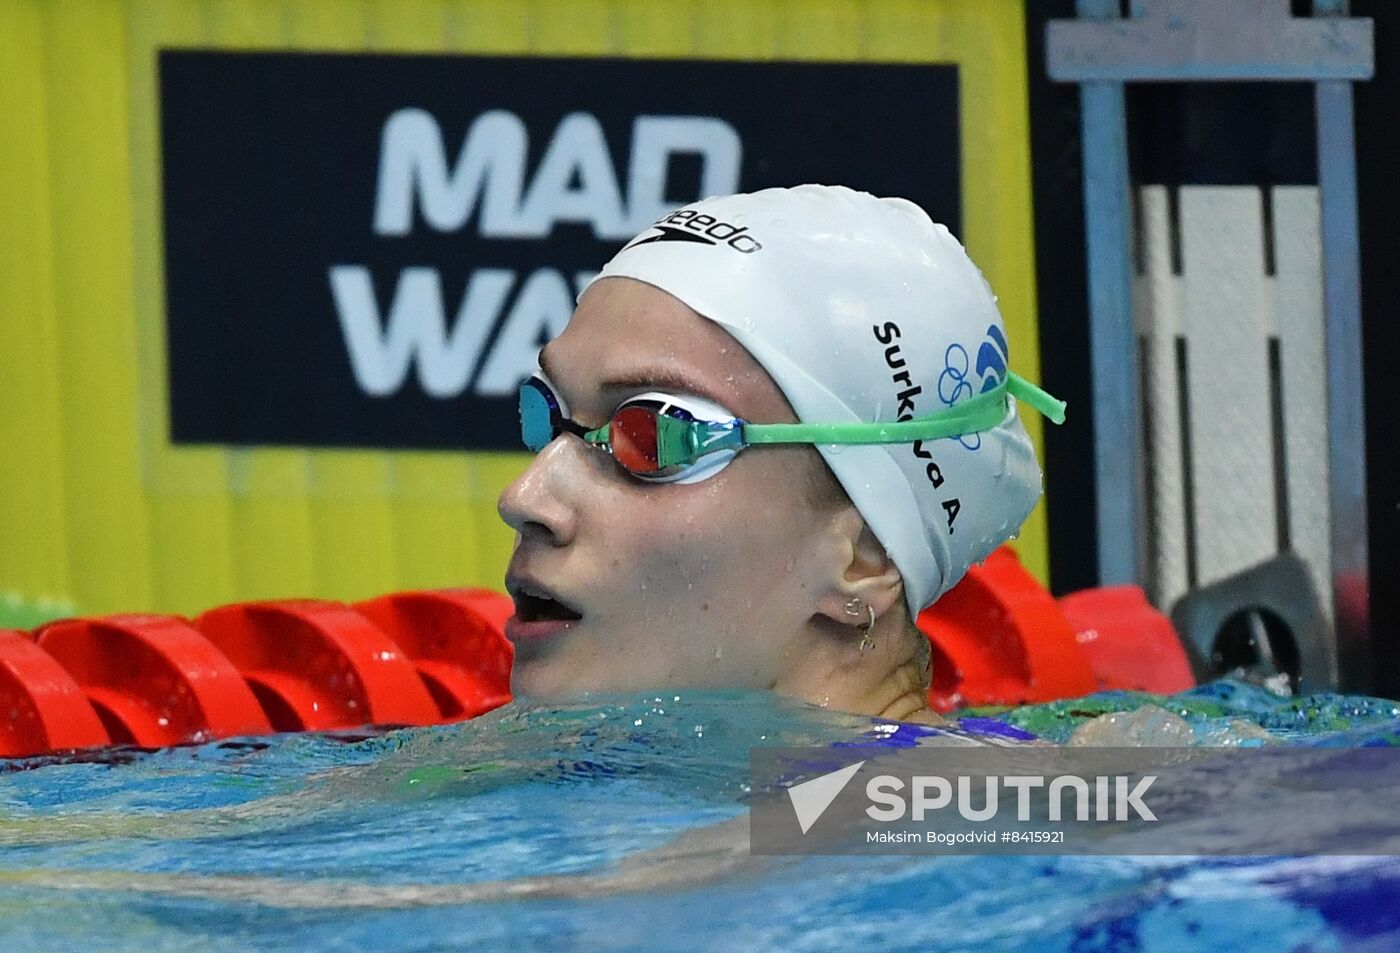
[664, 438]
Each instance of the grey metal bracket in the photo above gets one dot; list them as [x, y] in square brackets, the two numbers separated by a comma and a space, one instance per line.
[1218, 41]
[1214, 40]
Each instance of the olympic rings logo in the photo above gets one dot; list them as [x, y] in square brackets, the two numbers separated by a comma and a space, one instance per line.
[954, 384]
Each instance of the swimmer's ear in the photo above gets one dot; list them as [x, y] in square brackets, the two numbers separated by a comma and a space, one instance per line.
[866, 572]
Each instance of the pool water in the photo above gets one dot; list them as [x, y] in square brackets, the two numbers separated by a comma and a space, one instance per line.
[401, 842]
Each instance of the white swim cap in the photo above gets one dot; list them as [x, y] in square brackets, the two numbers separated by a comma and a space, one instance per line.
[863, 309]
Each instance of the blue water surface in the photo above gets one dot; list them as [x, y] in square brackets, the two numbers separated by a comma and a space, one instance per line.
[373, 843]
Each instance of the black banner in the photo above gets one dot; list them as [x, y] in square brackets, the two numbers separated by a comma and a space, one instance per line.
[369, 250]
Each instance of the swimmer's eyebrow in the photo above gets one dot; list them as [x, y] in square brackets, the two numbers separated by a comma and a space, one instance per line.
[661, 379]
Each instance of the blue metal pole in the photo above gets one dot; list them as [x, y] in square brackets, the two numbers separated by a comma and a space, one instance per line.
[1113, 337]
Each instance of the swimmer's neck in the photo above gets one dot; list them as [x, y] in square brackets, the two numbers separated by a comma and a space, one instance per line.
[907, 696]
[887, 682]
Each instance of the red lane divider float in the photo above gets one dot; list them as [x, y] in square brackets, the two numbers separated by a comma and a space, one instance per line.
[1129, 644]
[453, 637]
[412, 658]
[999, 638]
[42, 707]
[316, 665]
[153, 680]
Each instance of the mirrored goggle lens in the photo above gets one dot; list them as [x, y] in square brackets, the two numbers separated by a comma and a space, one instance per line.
[537, 415]
[633, 433]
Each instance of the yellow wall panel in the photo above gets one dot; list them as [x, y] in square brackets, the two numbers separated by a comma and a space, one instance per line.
[580, 27]
[97, 505]
[657, 30]
[86, 80]
[426, 30]
[33, 528]
[492, 26]
[821, 30]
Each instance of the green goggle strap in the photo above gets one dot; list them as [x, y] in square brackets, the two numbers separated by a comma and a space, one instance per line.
[982, 412]
[680, 442]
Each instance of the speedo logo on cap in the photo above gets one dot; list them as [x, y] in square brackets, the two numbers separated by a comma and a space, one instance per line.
[687, 225]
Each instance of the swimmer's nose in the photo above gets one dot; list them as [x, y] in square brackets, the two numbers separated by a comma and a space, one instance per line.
[539, 501]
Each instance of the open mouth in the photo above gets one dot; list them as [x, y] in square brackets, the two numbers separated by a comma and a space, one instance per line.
[534, 605]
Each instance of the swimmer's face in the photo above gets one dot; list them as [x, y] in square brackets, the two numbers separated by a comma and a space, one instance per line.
[701, 585]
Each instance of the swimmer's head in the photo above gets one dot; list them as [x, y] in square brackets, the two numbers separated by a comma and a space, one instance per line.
[818, 305]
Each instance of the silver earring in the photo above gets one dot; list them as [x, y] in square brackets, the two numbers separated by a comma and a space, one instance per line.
[853, 607]
[866, 639]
